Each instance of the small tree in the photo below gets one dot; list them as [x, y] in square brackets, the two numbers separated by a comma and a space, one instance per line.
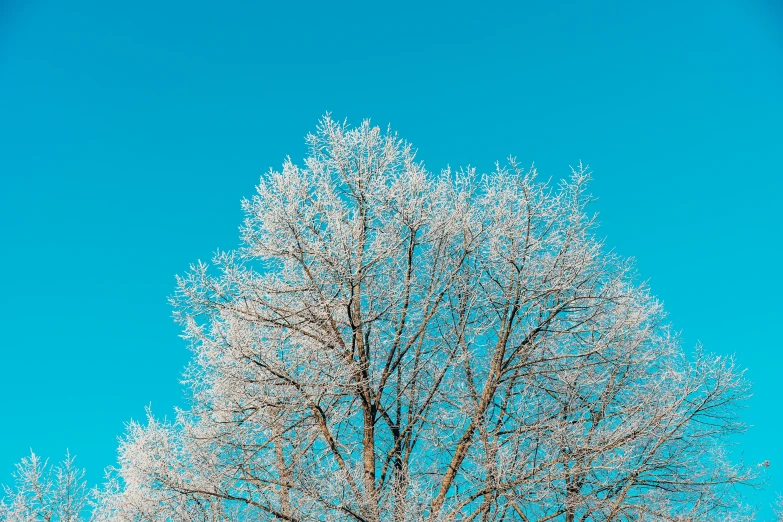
[389, 344]
[45, 493]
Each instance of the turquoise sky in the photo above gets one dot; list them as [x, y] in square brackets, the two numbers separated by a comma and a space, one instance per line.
[129, 132]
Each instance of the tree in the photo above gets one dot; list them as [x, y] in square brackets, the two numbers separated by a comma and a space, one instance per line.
[389, 344]
[45, 493]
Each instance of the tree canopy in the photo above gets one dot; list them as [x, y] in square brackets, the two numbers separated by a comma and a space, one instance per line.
[393, 344]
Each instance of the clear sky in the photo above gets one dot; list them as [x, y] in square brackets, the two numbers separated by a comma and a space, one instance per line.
[129, 132]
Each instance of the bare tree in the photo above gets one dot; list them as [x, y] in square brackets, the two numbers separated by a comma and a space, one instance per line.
[45, 493]
[388, 344]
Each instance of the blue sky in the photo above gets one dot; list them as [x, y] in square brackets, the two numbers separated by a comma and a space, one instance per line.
[129, 132]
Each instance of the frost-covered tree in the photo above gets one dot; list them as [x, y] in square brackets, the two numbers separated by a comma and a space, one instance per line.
[45, 493]
[390, 344]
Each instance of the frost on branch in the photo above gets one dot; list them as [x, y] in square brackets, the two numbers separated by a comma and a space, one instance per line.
[45, 493]
[391, 344]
